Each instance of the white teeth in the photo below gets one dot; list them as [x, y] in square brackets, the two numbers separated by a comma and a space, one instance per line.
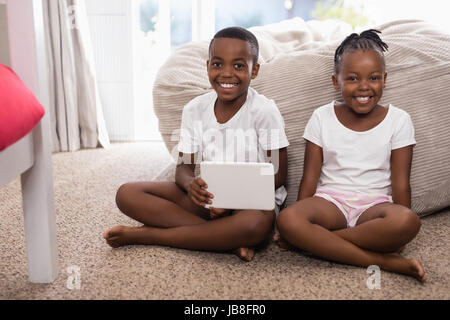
[362, 99]
[227, 85]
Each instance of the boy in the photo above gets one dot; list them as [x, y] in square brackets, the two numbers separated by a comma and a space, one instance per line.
[174, 214]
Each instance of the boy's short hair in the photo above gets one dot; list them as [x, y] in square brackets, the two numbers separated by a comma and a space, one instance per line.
[241, 34]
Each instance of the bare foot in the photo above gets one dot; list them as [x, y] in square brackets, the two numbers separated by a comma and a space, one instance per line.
[417, 270]
[120, 236]
[411, 267]
[245, 254]
[281, 243]
[400, 250]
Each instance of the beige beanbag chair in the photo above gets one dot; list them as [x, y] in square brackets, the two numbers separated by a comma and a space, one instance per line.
[296, 65]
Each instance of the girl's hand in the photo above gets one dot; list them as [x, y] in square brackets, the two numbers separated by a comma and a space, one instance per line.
[217, 213]
[197, 192]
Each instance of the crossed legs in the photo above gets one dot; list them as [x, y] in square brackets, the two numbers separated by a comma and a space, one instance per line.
[317, 226]
[170, 218]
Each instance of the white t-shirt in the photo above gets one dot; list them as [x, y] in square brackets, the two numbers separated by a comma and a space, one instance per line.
[358, 161]
[257, 126]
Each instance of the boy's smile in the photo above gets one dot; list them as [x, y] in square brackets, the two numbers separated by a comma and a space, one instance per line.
[361, 80]
[230, 70]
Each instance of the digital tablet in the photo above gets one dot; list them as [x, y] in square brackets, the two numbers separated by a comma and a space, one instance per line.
[240, 185]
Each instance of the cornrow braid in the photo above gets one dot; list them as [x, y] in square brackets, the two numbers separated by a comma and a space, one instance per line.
[367, 40]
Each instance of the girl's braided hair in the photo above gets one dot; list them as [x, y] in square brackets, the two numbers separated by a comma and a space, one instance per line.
[367, 40]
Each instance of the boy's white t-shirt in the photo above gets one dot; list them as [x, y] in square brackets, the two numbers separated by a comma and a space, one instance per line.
[358, 161]
[257, 127]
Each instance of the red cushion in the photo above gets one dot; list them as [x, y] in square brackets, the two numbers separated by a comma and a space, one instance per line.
[20, 111]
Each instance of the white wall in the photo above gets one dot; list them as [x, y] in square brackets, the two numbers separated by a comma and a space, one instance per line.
[4, 46]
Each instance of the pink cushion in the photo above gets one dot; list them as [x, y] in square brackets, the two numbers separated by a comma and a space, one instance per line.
[20, 111]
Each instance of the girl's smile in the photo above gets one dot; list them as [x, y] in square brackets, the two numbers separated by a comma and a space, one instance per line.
[363, 100]
[361, 80]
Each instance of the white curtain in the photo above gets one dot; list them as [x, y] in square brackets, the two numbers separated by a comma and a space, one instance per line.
[75, 109]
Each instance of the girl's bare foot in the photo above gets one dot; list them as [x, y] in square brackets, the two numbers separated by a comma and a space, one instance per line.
[400, 250]
[245, 254]
[121, 236]
[411, 267]
[281, 243]
[417, 270]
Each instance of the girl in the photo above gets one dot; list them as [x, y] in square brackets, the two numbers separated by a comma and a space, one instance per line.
[354, 200]
[174, 214]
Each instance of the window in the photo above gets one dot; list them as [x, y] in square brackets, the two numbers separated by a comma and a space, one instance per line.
[180, 22]
[167, 24]
[175, 14]
[251, 13]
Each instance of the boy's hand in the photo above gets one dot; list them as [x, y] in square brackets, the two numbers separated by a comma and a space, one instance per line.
[217, 213]
[197, 192]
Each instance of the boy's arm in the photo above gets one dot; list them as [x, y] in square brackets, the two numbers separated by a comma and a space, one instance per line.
[311, 170]
[401, 160]
[184, 174]
[279, 160]
[186, 180]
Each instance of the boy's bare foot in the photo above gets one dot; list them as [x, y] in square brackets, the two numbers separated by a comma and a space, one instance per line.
[281, 243]
[245, 254]
[120, 236]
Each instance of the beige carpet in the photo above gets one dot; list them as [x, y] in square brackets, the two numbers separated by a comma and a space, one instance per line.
[85, 183]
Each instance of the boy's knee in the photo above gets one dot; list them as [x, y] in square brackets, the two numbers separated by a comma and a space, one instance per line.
[260, 226]
[123, 195]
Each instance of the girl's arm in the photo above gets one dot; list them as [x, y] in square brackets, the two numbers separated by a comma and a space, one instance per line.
[279, 160]
[311, 170]
[186, 180]
[401, 160]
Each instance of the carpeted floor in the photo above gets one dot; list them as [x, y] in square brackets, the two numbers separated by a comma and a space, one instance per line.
[85, 183]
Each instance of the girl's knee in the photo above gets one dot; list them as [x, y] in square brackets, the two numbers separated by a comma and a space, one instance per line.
[287, 218]
[283, 218]
[407, 223]
[410, 222]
